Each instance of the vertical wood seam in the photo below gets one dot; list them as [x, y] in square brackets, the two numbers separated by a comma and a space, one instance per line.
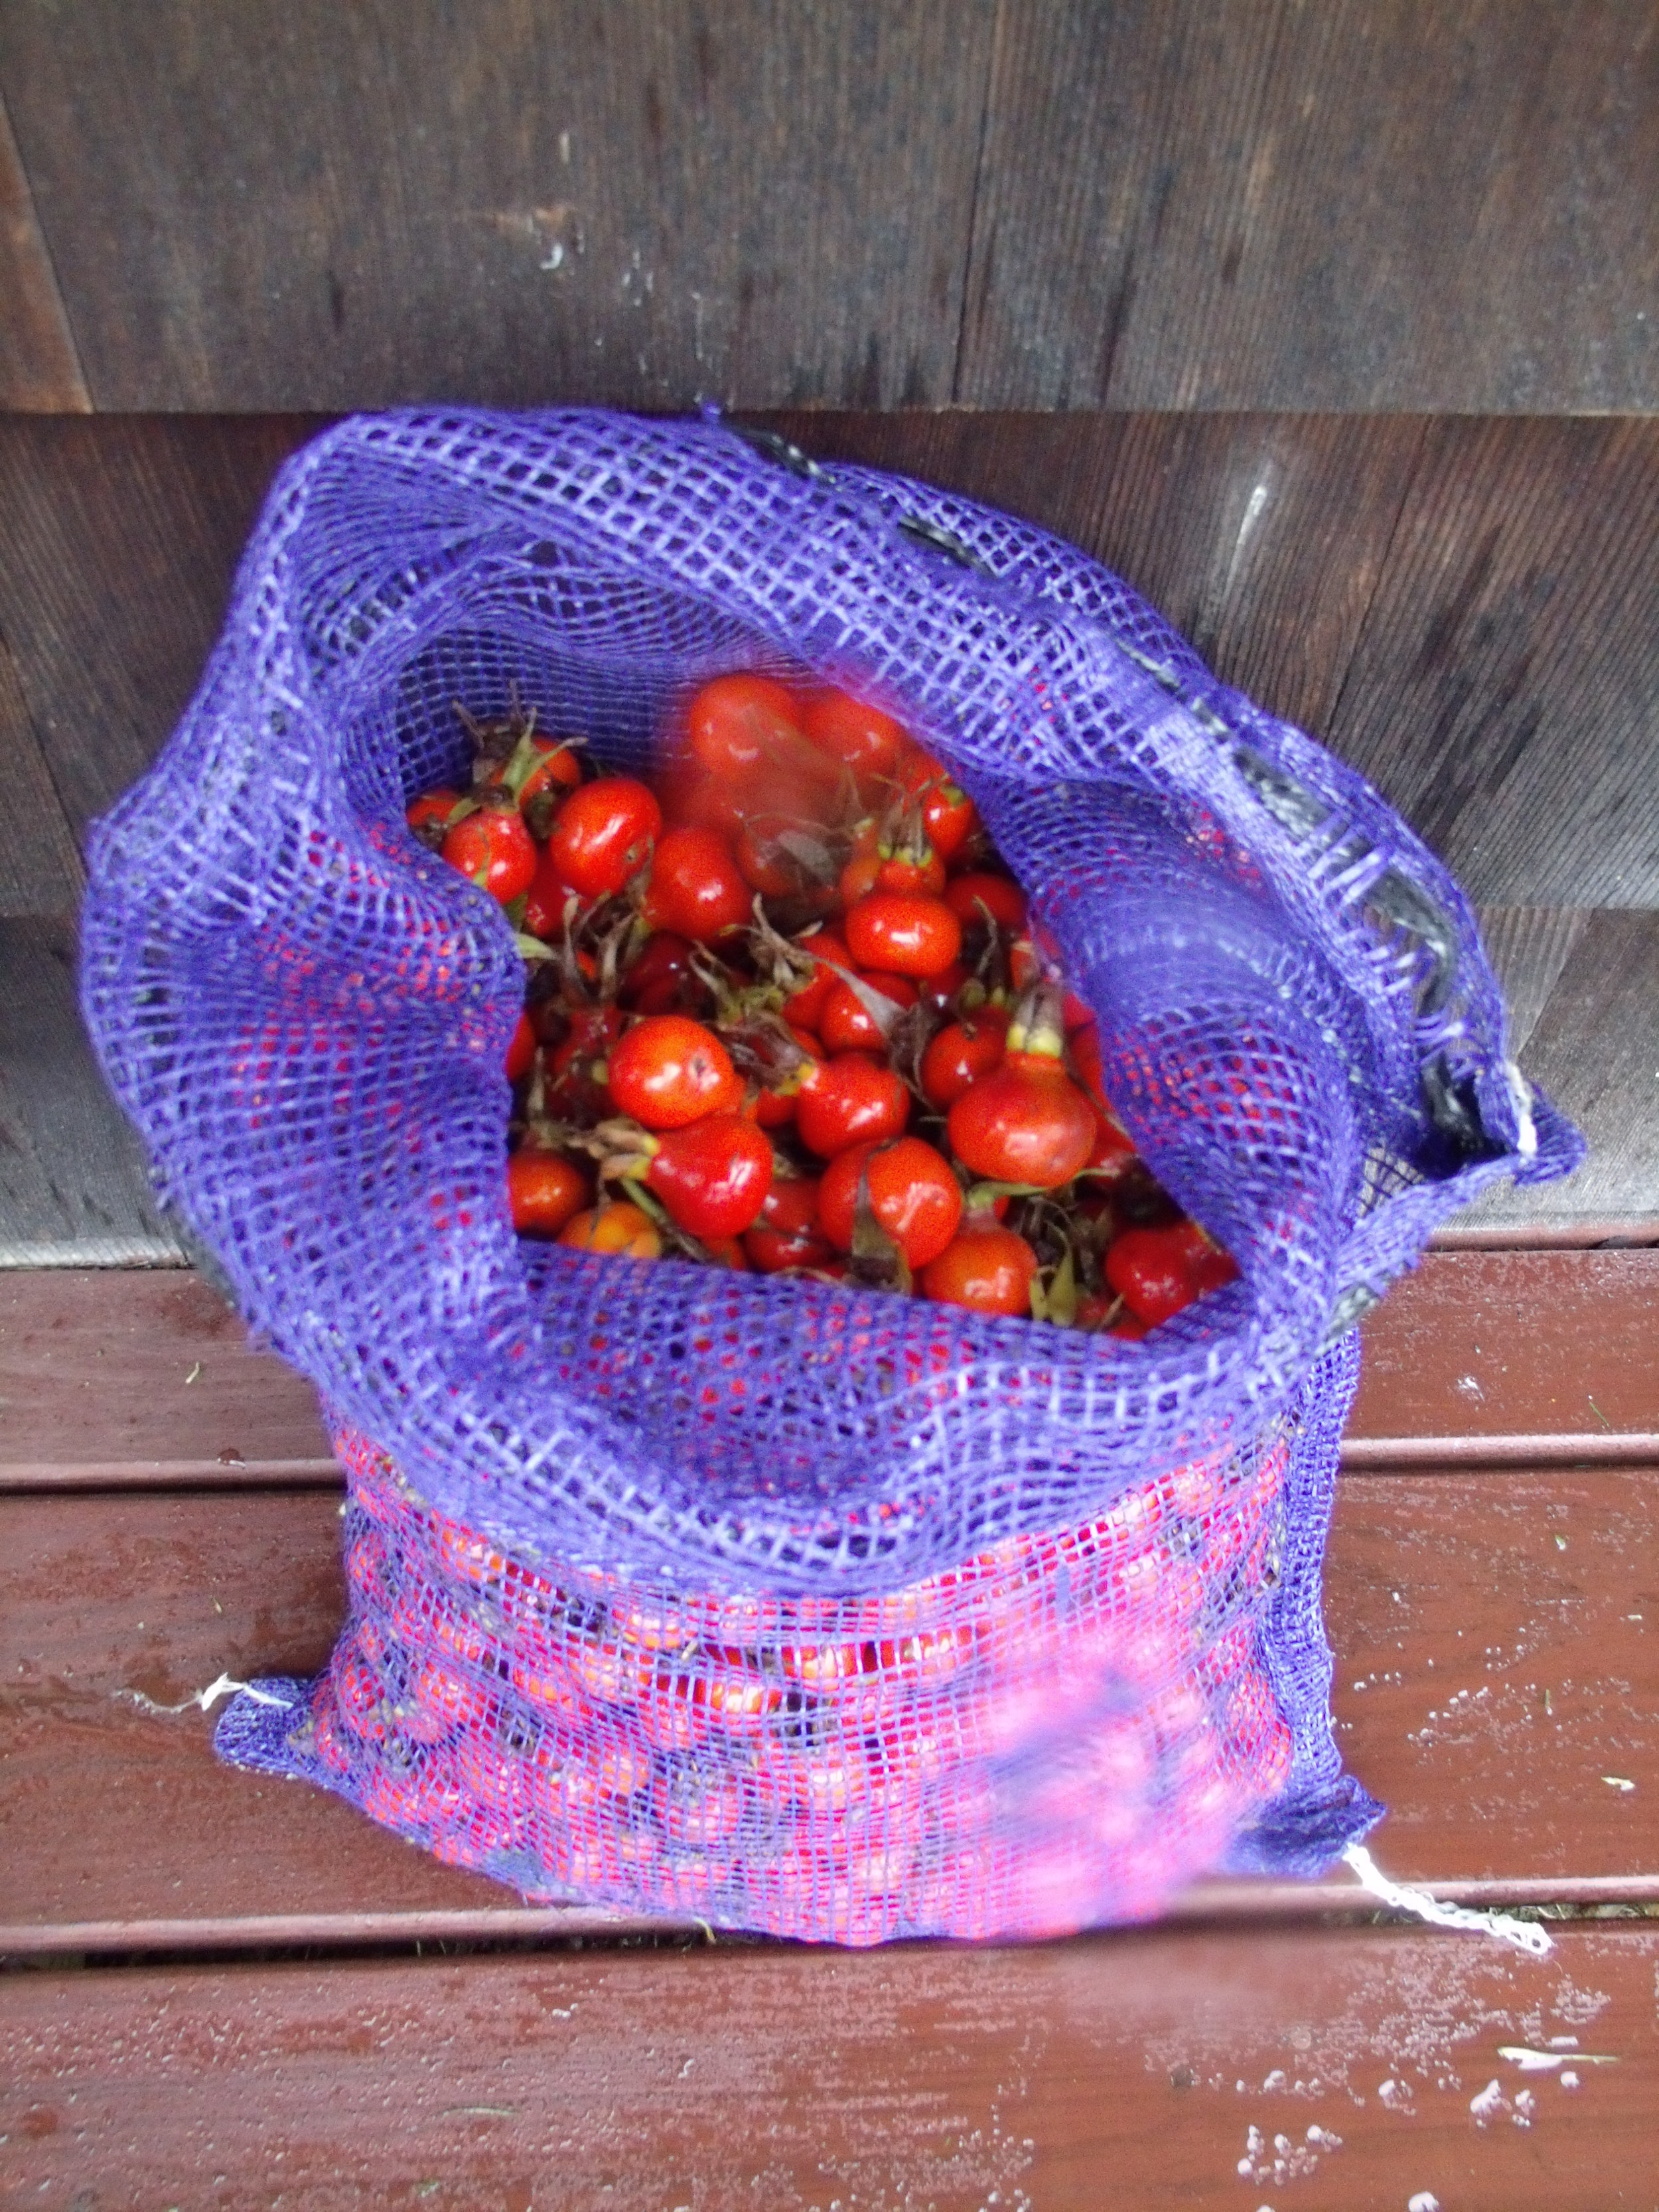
[82, 390]
[969, 260]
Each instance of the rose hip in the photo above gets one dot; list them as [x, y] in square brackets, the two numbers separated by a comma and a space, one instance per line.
[902, 934]
[668, 1071]
[911, 1190]
[849, 1100]
[985, 1267]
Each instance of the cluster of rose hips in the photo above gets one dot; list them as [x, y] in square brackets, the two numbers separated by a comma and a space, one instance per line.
[785, 1010]
[809, 1766]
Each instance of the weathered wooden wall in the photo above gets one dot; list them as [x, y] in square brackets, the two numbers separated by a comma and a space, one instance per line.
[1332, 328]
[1462, 607]
[1156, 203]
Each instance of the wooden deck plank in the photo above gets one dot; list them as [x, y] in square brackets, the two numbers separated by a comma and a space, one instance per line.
[145, 1374]
[129, 1380]
[1497, 1642]
[1489, 1347]
[1335, 2071]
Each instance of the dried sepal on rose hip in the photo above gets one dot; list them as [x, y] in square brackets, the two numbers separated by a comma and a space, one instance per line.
[711, 1175]
[492, 849]
[432, 816]
[1026, 1121]
[910, 1189]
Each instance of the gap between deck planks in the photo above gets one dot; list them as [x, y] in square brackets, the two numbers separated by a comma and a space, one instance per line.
[113, 1380]
[1331, 2070]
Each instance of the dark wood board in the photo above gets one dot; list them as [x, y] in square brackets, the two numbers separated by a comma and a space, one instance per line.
[1063, 2076]
[1360, 207]
[302, 206]
[1493, 1347]
[1518, 594]
[115, 565]
[1345, 604]
[147, 1377]
[37, 364]
[1171, 206]
[1454, 1610]
[40, 870]
[74, 1187]
[124, 1380]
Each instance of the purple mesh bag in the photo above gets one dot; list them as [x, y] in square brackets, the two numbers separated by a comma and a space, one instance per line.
[801, 1607]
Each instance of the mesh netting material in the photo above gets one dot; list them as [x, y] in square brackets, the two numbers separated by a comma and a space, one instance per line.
[800, 1607]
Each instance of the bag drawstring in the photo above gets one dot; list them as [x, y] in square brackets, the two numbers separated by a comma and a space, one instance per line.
[226, 1687]
[1525, 1935]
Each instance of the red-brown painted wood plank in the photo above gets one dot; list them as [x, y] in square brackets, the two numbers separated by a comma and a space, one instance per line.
[1501, 1345]
[129, 1376]
[1330, 2071]
[1489, 1673]
[135, 1379]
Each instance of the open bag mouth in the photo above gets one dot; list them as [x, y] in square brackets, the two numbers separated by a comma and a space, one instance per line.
[307, 1013]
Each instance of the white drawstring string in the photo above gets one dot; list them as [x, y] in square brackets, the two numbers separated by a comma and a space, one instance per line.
[1525, 1935]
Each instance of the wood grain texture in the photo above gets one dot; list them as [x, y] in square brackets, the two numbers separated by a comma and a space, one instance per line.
[131, 1380]
[40, 870]
[1460, 608]
[1165, 205]
[1494, 1345]
[1487, 1677]
[74, 1185]
[115, 566]
[1528, 946]
[1595, 1049]
[1353, 206]
[1203, 2069]
[1517, 597]
[38, 367]
[151, 1375]
[325, 207]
